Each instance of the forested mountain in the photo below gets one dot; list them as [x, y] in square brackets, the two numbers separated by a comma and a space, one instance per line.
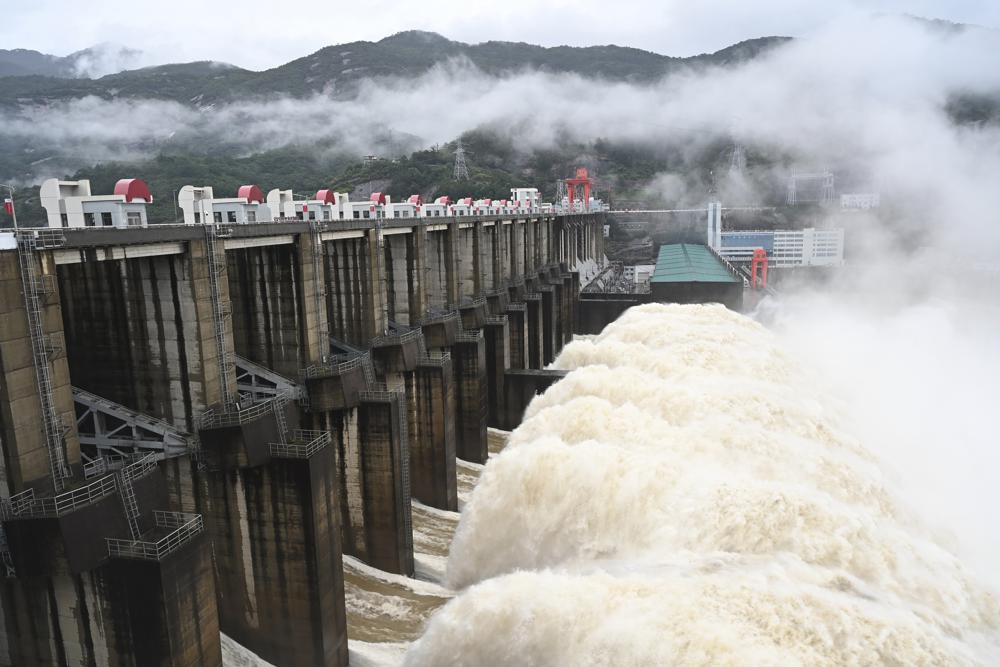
[337, 69]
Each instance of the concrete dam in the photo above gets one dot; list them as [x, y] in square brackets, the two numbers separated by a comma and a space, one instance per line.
[199, 421]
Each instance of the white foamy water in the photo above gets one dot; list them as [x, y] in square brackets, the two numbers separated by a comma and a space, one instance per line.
[688, 496]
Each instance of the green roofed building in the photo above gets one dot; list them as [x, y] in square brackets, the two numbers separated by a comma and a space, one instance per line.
[691, 273]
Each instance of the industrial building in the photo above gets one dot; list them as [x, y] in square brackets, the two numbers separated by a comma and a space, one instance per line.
[785, 248]
[692, 273]
[70, 204]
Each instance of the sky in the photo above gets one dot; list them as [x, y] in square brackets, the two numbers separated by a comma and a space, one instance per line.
[256, 36]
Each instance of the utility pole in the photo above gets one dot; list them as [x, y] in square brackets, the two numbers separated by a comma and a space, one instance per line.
[13, 211]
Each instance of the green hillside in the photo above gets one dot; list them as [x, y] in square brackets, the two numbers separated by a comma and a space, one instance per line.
[338, 69]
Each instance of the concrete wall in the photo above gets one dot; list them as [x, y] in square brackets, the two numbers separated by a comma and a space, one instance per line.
[728, 294]
[266, 299]
[520, 387]
[595, 314]
[25, 462]
[278, 557]
[140, 332]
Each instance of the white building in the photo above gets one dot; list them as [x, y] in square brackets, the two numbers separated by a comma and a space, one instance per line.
[281, 203]
[440, 208]
[859, 201]
[200, 204]
[526, 200]
[785, 248]
[70, 204]
[462, 207]
[365, 210]
[405, 209]
[325, 206]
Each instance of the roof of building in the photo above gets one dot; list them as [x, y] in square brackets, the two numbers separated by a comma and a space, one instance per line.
[689, 263]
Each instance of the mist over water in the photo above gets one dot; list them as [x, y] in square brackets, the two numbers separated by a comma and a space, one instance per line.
[692, 493]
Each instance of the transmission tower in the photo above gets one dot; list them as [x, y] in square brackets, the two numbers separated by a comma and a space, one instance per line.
[461, 169]
[737, 159]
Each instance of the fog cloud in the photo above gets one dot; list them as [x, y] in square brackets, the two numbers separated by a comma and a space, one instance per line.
[868, 92]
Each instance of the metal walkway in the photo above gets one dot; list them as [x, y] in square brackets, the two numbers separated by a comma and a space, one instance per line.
[110, 430]
[259, 383]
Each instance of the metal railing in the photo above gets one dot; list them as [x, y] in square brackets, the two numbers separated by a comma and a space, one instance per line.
[435, 316]
[25, 505]
[725, 262]
[433, 358]
[94, 468]
[326, 370]
[278, 406]
[48, 238]
[469, 336]
[216, 253]
[182, 528]
[397, 338]
[304, 444]
[369, 369]
[234, 415]
[380, 394]
[141, 467]
[52, 425]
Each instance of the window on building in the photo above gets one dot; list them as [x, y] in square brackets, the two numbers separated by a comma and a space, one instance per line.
[357, 215]
[217, 216]
[133, 219]
[197, 218]
[298, 215]
[64, 219]
[231, 216]
[367, 214]
[312, 215]
[251, 216]
[106, 219]
[89, 220]
[326, 214]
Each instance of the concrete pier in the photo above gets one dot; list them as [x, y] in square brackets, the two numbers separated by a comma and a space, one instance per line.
[520, 387]
[497, 336]
[431, 431]
[384, 480]
[471, 393]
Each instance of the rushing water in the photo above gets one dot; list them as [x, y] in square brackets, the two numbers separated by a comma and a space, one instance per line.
[685, 496]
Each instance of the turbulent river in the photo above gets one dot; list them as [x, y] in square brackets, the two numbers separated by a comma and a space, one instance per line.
[685, 496]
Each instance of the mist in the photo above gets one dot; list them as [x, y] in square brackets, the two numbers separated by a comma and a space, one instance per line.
[861, 90]
[695, 486]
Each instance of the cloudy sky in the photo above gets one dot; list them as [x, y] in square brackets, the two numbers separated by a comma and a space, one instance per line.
[256, 35]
